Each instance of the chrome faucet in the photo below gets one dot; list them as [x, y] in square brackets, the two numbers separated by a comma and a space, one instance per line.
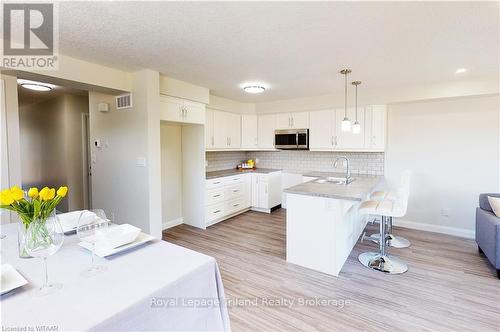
[348, 174]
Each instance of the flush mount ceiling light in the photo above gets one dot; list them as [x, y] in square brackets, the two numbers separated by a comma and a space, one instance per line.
[346, 123]
[460, 71]
[34, 85]
[254, 87]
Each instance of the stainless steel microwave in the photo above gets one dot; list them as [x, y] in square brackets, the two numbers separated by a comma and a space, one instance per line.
[291, 139]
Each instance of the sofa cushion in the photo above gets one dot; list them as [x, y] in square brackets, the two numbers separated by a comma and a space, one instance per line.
[483, 201]
[495, 205]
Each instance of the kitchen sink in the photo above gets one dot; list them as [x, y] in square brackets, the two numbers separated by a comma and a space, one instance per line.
[334, 180]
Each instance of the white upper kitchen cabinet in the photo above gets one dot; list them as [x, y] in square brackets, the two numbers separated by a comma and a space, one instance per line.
[266, 127]
[179, 110]
[226, 130]
[209, 129]
[249, 131]
[375, 132]
[299, 120]
[348, 140]
[322, 130]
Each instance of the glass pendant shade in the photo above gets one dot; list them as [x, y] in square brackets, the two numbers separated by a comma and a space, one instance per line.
[356, 128]
[346, 124]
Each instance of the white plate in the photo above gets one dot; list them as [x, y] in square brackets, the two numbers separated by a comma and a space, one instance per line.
[105, 252]
[10, 279]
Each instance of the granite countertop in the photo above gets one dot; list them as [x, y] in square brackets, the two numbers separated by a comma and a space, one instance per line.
[354, 191]
[234, 171]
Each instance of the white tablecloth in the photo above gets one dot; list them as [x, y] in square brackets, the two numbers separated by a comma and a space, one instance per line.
[159, 286]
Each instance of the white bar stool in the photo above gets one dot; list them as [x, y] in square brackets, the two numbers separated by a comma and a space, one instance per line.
[381, 261]
[404, 189]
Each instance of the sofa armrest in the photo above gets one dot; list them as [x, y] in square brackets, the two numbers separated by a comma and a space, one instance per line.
[488, 235]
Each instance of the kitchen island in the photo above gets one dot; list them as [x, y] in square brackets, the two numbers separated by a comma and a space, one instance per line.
[322, 222]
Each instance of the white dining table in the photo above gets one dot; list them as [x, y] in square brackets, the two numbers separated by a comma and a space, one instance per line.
[158, 286]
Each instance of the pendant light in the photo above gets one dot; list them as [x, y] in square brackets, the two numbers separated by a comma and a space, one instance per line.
[356, 128]
[346, 123]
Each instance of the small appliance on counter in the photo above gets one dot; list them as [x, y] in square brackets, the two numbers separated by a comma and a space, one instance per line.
[249, 164]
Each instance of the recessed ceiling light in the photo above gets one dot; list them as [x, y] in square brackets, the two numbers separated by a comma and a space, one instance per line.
[254, 87]
[460, 71]
[34, 85]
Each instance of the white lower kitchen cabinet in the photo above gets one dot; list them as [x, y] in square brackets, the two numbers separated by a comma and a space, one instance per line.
[227, 197]
[231, 195]
[266, 191]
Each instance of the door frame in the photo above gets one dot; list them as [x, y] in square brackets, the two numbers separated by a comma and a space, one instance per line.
[86, 160]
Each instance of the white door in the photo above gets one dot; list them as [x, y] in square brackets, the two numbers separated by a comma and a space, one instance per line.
[209, 129]
[321, 130]
[221, 130]
[249, 131]
[234, 130]
[348, 140]
[171, 109]
[300, 120]
[284, 121]
[267, 126]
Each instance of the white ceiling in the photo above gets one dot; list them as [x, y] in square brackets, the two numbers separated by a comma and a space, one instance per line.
[295, 47]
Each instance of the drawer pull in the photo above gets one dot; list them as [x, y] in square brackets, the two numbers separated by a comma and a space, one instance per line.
[216, 182]
[235, 205]
[216, 211]
[235, 190]
[216, 196]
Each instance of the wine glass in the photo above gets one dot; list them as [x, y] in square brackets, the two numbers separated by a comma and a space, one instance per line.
[43, 239]
[89, 224]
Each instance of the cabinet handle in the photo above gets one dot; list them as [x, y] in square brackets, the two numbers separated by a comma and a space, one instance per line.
[336, 141]
[185, 112]
[213, 141]
[266, 188]
[217, 182]
[235, 190]
[214, 196]
[332, 141]
[216, 211]
[293, 121]
[235, 205]
[229, 141]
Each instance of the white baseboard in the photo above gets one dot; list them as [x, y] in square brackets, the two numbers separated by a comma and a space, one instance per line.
[172, 223]
[465, 233]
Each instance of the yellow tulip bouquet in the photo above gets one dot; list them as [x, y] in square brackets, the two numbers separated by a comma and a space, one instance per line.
[32, 206]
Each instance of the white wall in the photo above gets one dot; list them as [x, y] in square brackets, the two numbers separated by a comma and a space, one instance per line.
[122, 184]
[452, 146]
[171, 173]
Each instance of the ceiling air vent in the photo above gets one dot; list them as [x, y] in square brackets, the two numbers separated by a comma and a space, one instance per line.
[124, 101]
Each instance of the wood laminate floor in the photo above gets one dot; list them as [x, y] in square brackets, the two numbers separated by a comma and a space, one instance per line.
[449, 286]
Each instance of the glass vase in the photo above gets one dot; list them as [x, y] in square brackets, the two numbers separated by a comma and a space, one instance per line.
[40, 234]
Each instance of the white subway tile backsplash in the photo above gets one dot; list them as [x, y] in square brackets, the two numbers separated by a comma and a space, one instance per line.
[361, 162]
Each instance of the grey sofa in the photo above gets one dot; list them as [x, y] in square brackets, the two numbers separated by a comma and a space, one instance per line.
[488, 231]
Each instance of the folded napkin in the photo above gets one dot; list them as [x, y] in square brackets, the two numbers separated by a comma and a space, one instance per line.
[69, 220]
